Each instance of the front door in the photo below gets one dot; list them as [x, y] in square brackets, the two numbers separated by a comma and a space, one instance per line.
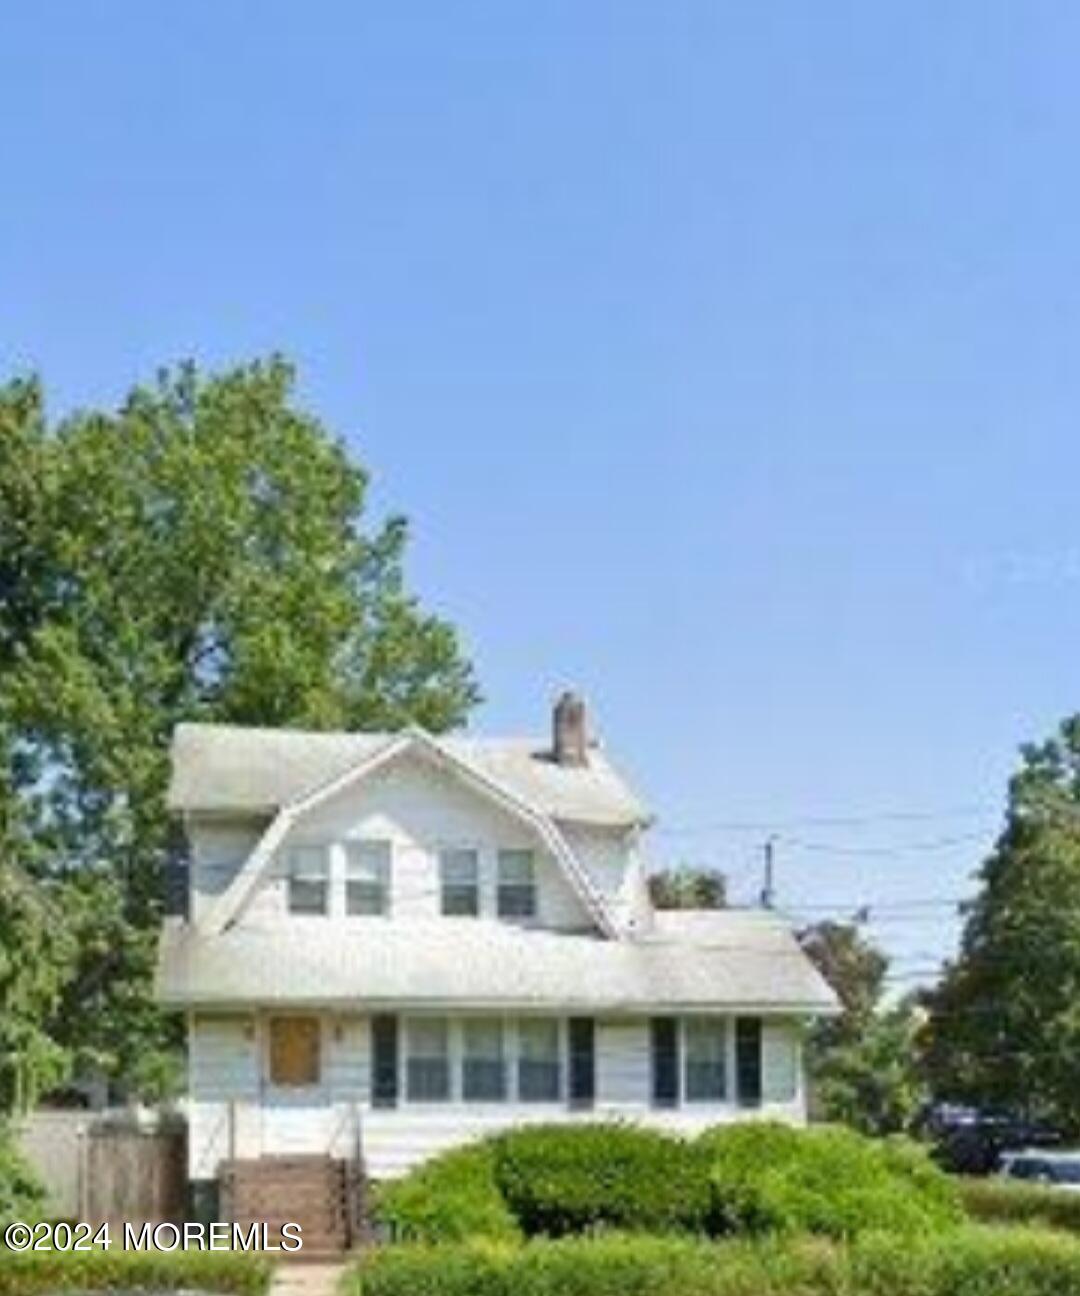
[296, 1106]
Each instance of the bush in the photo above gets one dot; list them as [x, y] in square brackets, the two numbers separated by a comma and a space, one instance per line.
[451, 1198]
[966, 1262]
[1008, 1201]
[771, 1178]
[21, 1195]
[27, 1273]
[559, 1179]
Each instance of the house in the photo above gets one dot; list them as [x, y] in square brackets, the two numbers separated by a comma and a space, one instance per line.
[395, 942]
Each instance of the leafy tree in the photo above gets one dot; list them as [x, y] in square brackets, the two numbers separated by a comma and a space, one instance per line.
[863, 1063]
[873, 1082]
[854, 968]
[199, 553]
[35, 961]
[1004, 1026]
[688, 888]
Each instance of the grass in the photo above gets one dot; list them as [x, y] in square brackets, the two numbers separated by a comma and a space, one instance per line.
[1005, 1201]
[968, 1261]
[26, 1273]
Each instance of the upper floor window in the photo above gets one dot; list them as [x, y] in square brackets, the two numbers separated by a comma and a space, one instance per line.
[427, 1064]
[367, 877]
[460, 877]
[517, 884]
[308, 880]
[705, 1041]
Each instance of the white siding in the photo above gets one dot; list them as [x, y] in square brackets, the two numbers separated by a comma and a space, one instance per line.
[420, 810]
[234, 1111]
[218, 849]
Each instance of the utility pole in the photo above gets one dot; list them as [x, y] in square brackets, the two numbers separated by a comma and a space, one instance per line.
[768, 891]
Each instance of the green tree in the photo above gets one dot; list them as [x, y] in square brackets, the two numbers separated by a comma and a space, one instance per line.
[688, 888]
[1004, 1027]
[199, 553]
[36, 960]
[862, 1063]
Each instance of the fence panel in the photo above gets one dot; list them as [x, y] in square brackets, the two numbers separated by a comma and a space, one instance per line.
[133, 1175]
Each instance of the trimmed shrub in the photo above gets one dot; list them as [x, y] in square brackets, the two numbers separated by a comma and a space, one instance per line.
[452, 1198]
[559, 1179]
[832, 1181]
[27, 1273]
[1008, 1201]
[964, 1262]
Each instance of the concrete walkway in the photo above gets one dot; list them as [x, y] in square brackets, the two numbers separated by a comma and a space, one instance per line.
[310, 1278]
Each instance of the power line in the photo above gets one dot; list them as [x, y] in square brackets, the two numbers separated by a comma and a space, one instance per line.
[828, 821]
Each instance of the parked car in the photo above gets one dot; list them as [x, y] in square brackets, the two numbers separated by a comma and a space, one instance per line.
[968, 1140]
[1037, 1165]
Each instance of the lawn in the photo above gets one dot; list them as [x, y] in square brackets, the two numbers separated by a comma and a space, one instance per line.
[26, 1273]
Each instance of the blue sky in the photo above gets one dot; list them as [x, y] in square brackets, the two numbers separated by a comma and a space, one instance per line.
[722, 354]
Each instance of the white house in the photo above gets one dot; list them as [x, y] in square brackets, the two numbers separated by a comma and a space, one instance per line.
[396, 942]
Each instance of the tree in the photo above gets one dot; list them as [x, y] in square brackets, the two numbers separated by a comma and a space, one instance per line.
[863, 1063]
[688, 888]
[1004, 1028]
[856, 971]
[199, 553]
[36, 956]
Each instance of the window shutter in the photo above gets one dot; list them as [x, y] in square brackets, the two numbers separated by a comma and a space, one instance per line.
[582, 1062]
[384, 1061]
[779, 1062]
[748, 1061]
[665, 1062]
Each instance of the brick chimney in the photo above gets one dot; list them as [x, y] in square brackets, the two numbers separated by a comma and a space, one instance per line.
[570, 739]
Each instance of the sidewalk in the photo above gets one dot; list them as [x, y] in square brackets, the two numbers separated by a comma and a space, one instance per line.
[319, 1278]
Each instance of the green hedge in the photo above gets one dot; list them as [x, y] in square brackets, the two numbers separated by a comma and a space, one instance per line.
[559, 1179]
[1008, 1201]
[966, 1262]
[769, 1178]
[25, 1273]
[21, 1195]
[452, 1198]
[564, 1179]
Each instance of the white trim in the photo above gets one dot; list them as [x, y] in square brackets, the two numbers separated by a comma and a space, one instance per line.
[229, 904]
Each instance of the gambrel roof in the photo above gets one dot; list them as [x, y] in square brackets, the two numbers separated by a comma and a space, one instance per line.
[231, 768]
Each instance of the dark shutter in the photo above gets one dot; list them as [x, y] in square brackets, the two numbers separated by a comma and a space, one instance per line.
[384, 1061]
[748, 1061]
[582, 1062]
[665, 1062]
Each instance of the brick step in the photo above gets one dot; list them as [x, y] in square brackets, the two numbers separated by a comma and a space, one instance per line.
[263, 1192]
[264, 1201]
[309, 1183]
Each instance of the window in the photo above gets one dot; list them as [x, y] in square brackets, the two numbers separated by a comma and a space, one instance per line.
[367, 877]
[483, 1066]
[706, 1052]
[308, 880]
[539, 1077]
[294, 1051]
[428, 1064]
[460, 873]
[517, 885]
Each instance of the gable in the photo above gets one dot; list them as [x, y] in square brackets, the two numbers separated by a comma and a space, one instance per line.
[420, 808]
[293, 820]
